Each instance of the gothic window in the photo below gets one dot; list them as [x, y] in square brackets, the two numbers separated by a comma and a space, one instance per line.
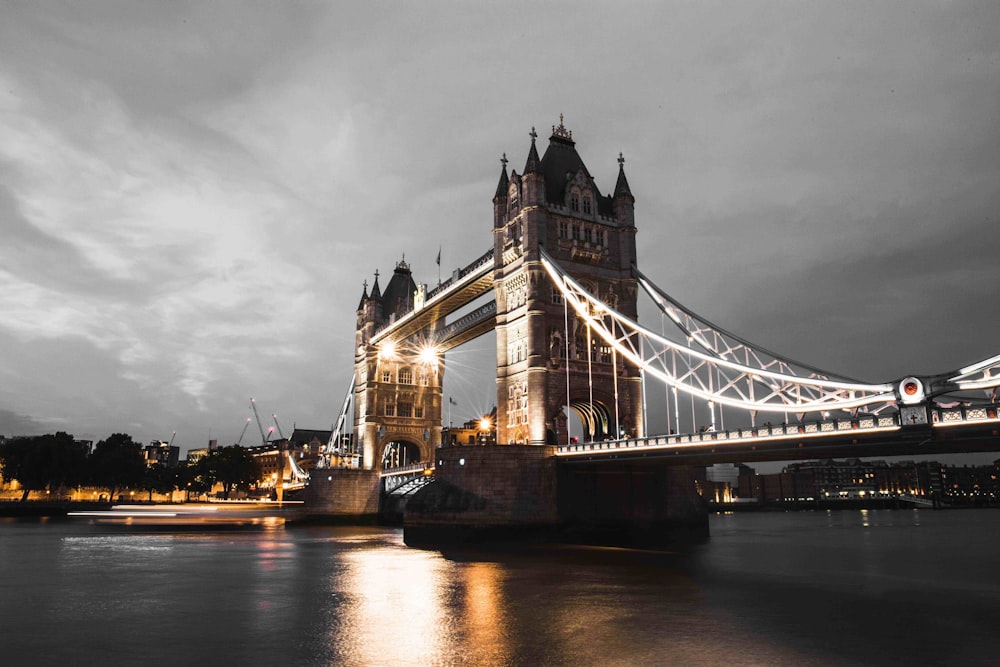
[602, 237]
[588, 235]
[511, 407]
[574, 202]
[386, 376]
[390, 409]
[406, 409]
[418, 411]
[605, 354]
[557, 296]
[586, 204]
[405, 376]
[563, 231]
[576, 232]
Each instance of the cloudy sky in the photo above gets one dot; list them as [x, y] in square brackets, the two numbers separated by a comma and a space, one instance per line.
[192, 193]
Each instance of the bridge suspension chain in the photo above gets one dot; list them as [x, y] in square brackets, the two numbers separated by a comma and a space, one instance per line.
[726, 345]
[984, 375]
[749, 383]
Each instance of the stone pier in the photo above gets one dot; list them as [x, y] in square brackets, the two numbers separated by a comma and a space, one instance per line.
[523, 494]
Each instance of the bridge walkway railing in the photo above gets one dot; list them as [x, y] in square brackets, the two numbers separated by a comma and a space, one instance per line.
[940, 417]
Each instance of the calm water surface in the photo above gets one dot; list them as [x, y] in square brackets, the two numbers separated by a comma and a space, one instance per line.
[811, 588]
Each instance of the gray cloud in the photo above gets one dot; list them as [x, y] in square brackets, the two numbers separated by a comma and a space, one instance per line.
[193, 194]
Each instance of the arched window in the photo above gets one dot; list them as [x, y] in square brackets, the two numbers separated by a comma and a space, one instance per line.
[587, 208]
[574, 202]
[405, 376]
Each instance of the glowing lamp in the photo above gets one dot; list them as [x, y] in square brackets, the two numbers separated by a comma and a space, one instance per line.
[428, 355]
[387, 350]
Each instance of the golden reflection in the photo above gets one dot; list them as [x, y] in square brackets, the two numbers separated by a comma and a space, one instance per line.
[408, 586]
[485, 622]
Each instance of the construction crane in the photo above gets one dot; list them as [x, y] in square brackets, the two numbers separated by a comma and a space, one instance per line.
[245, 426]
[260, 427]
[275, 418]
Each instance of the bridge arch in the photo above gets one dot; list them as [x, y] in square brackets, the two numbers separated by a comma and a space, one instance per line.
[397, 450]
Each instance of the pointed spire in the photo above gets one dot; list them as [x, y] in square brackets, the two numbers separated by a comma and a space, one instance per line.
[504, 181]
[533, 164]
[621, 188]
[376, 292]
[364, 295]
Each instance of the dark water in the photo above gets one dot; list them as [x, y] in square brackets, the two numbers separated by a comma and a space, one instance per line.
[812, 588]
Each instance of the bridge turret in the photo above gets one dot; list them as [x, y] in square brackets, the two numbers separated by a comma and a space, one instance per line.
[624, 202]
[500, 198]
[533, 181]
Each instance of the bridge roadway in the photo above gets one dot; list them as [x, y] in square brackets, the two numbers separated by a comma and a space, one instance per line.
[951, 430]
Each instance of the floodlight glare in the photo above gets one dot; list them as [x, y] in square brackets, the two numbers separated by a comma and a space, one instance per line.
[428, 355]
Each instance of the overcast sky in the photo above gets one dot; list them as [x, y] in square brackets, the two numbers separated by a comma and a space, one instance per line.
[192, 193]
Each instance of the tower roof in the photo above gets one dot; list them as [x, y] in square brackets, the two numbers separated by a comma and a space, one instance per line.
[532, 165]
[376, 292]
[560, 160]
[398, 296]
[364, 295]
[621, 187]
[504, 181]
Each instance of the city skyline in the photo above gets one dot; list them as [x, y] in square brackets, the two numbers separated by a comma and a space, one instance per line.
[193, 194]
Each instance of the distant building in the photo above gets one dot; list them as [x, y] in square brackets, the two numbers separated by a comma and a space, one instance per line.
[855, 480]
[303, 447]
[162, 452]
[480, 431]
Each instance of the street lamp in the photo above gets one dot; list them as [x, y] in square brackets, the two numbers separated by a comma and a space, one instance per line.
[484, 426]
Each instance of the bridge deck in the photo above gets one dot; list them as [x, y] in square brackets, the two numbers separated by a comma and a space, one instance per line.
[960, 429]
[468, 285]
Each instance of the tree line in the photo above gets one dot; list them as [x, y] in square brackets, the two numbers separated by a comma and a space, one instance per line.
[57, 461]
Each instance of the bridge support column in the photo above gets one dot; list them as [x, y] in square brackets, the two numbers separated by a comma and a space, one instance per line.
[485, 494]
[632, 505]
[522, 494]
[342, 495]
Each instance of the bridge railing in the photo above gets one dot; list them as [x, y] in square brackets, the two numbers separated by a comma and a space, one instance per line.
[486, 258]
[477, 264]
[964, 414]
[940, 417]
[826, 427]
[484, 311]
[407, 469]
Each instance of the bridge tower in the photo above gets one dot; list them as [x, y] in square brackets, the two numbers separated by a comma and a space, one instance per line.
[546, 358]
[397, 389]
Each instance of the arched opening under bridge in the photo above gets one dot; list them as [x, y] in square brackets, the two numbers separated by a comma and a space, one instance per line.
[396, 453]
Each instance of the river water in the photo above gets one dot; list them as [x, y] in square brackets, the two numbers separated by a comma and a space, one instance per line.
[914, 587]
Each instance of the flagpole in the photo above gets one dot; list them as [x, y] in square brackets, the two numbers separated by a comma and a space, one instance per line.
[439, 266]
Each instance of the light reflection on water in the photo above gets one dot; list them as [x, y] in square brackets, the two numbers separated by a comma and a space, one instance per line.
[812, 588]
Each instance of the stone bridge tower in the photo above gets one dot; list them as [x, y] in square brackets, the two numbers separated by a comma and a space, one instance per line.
[397, 389]
[546, 358]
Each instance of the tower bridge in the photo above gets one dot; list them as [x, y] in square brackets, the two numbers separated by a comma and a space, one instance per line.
[565, 284]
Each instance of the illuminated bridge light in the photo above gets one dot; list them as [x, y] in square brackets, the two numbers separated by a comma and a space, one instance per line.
[387, 350]
[428, 355]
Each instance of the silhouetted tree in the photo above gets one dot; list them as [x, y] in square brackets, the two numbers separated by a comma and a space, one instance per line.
[116, 463]
[233, 466]
[159, 478]
[197, 477]
[43, 462]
